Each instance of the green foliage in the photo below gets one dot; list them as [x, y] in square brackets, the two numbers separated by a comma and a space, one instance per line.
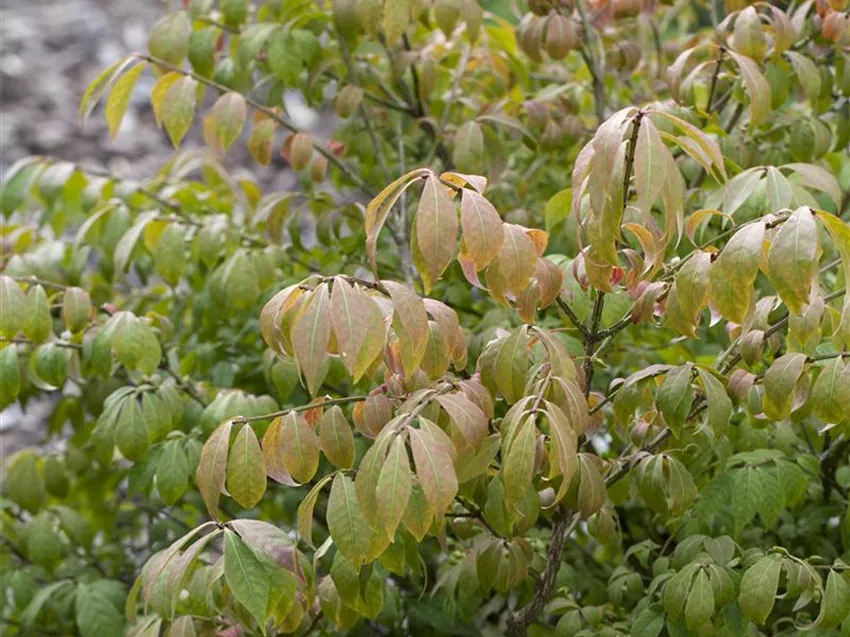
[389, 402]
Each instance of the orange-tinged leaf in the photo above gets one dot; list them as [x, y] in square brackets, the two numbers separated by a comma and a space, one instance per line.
[410, 322]
[224, 124]
[395, 483]
[550, 278]
[650, 165]
[300, 447]
[358, 326]
[436, 230]
[697, 218]
[792, 259]
[758, 88]
[260, 142]
[379, 209]
[734, 271]
[435, 470]
[246, 471]
[515, 264]
[483, 230]
[466, 416]
[212, 466]
[336, 438]
[310, 337]
[273, 453]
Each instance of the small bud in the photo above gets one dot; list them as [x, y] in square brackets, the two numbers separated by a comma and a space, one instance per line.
[348, 100]
[318, 168]
[298, 149]
[562, 36]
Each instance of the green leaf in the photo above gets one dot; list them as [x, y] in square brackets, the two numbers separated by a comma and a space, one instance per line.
[348, 527]
[690, 291]
[336, 438]
[96, 615]
[246, 471]
[758, 588]
[246, 576]
[779, 383]
[468, 155]
[835, 603]
[518, 468]
[14, 303]
[734, 271]
[700, 605]
[172, 473]
[99, 85]
[10, 375]
[831, 391]
[808, 74]
[305, 510]
[792, 259]
[676, 591]
[169, 38]
[38, 324]
[394, 487]
[719, 404]
[675, 397]
[511, 366]
[119, 98]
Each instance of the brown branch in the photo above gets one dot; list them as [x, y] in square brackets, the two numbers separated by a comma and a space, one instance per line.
[325, 403]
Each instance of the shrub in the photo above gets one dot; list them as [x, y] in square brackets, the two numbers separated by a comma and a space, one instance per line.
[551, 339]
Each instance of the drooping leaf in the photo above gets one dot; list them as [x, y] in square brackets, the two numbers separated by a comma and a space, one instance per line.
[436, 231]
[792, 259]
[758, 588]
[212, 466]
[734, 271]
[348, 527]
[246, 471]
[246, 576]
[395, 483]
[310, 337]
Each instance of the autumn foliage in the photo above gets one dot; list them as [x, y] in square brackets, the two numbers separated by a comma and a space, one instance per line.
[551, 339]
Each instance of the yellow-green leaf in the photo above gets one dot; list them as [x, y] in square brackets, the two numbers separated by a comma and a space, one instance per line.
[246, 472]
[119, 98]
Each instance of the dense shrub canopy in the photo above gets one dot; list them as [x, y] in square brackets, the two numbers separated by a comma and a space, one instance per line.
[551, 340]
